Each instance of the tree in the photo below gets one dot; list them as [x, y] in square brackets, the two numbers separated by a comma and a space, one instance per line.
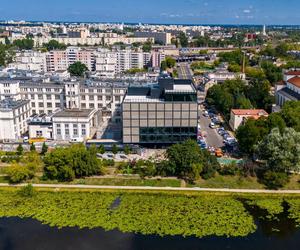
[101, 149]
[32, 147]
[24, 44]
[272, 72]
[127, 150]
[115, 149]
[53, 44]
[291, 114]
[280, 151]
[6, 54]
[20, 149]
[27, 191]
[44, 149]
[187, 160]
[147, 47]
[274, 180]
[77, 69]
[249, 134]
[17, 173]
[183, 39]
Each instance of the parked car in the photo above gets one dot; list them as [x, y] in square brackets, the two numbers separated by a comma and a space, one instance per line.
[212, 125]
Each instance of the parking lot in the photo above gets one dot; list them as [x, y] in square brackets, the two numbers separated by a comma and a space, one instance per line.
[211, 134]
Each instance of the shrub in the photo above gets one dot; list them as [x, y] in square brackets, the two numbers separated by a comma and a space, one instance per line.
[275, 180]
[230, 169]
[27, 191]
[18, 173]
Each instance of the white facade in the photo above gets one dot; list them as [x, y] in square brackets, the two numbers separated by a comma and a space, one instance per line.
[75, 124]
[106, 62]
[30, 60]
[13, 119]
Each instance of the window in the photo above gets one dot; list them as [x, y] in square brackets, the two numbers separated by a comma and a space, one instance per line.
[33, 104]
[67, 132]
[91, 97]
[83, 97]
[66, 125]
[99, 98]
[49, 105]
[91, 105]
[99, 90]
[99, 105]
[75, 131]
[117, 98]
[91, 91]
[57, 105]
[58, 131]
[83, 131]
[41, 105]
[75, 126]
[40, 97]
[57, 97]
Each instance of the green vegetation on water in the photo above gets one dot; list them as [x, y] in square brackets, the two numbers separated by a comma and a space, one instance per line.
[160, 213]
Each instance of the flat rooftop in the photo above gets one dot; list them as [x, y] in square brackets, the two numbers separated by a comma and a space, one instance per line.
[76, 113]
[12, 104]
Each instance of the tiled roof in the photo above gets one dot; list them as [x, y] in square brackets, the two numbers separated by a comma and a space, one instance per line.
[249, 112]
[295, 81]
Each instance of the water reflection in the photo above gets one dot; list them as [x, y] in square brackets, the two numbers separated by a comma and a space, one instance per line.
[27, 234]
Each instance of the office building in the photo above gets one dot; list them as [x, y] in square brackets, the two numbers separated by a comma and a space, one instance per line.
[160, 114]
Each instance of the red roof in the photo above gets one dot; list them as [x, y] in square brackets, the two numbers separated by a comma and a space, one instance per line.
[256, 113]
[293, 73]
[295, 81]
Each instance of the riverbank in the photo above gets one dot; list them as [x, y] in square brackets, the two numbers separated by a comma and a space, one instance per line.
[149, 212]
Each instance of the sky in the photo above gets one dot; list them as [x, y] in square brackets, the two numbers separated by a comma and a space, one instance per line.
[155, 11]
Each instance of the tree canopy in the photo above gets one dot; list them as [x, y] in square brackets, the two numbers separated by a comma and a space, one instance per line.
[77, 69]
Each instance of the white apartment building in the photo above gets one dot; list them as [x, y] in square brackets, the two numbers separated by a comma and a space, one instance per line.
[13, 119]
[48, 97]
[30, 60]
[106, 61]
[40, 126]
[78, 124]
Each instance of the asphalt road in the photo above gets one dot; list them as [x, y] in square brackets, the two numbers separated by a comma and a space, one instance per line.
[184, 71]
[213, 139]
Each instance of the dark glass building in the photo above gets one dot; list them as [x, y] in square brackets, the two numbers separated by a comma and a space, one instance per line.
[161, 113]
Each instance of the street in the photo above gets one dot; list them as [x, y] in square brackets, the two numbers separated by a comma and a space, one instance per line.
[213, 139]
[184, 71]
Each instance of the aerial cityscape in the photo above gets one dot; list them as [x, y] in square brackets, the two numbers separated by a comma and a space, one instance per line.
[149, 125]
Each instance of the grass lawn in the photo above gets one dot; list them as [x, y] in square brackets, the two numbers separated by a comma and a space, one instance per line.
[129, 182]
[237, 182]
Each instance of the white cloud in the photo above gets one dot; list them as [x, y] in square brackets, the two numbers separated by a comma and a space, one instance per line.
[246, 11]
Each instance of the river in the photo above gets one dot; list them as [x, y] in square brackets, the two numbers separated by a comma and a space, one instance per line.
[28, 234]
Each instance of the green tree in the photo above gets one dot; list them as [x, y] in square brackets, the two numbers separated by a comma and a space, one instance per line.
[24, 44]
[6, 54]
[249, 134]
[274, 180]
[147, 47]
[18, 173]
[77, 69]
[127, 150]
[20, 149]
[115, 149]
[44, 149]
[32, 147]
[101, 149]
[27, 191]
[53, 45]
[184, 42]
[291, 114]
[280, 151]
[272, 72]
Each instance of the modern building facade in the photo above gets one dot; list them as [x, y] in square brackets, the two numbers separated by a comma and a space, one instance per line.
[160, 114]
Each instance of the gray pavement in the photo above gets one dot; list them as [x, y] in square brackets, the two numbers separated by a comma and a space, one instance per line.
[184, 71]
[221, 190]
[213, 139]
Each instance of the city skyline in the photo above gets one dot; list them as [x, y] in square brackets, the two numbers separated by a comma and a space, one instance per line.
[133, 11]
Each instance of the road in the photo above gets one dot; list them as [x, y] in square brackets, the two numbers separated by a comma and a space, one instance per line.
[221, 190]
[184, 71]
[213, 139]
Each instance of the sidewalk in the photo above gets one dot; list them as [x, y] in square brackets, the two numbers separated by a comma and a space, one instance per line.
[220, 190]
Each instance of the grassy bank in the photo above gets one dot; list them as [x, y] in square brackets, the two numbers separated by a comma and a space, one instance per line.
[162, 213]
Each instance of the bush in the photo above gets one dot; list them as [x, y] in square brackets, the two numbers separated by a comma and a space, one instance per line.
[275, 180]
[18, 173]
[27, 191]
[230, 169]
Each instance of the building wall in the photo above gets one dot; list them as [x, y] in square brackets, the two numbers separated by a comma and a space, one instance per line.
[141, 119]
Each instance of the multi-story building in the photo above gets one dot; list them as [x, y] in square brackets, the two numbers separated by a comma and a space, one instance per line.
[79, 124]
[30, 60]
[48, 97]
[13, 118]
[162, 113]
[118, 61]
[159, 37]
[40, 126]
[62, 59]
